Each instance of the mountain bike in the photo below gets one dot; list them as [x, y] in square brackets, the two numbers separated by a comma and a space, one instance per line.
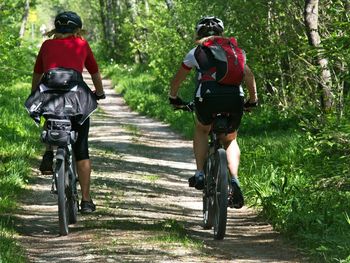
[217, 186]
[59, 134]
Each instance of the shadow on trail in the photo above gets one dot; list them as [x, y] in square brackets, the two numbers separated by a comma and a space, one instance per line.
[145, 210]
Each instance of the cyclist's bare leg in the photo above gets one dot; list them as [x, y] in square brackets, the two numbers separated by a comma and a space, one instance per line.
[84, 172]
[233, 152]
[200, 144]
[233, 157]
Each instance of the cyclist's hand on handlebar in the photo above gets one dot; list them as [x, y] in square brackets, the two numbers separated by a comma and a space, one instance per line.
[248, 105]
[99, 96]
[177, 102]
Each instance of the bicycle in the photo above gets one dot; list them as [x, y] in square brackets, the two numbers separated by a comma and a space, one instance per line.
[217, 187]
[59, 134]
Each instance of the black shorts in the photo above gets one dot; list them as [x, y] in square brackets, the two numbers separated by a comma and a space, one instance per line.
[81, 147]
[220, 99]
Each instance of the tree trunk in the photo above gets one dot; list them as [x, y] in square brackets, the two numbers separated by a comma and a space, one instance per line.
[103, 19]
[146, 7]
[24, 19]
[311, 23]
[169, 4]
[347, 6]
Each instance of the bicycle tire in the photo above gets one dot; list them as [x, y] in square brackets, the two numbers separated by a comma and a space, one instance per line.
[221, 194]
[61, 175]
[72, 193]
[208, 199]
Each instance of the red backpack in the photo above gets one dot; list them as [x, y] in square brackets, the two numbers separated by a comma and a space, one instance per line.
[221, 60]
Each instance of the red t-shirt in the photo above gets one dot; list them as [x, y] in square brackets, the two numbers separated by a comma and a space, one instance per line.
[71, 52]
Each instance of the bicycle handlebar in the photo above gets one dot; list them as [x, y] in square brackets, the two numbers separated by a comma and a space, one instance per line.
[185, 107]
[190, 106]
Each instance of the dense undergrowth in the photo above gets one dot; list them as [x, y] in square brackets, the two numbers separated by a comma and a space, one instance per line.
[18, 147]
[294, 171]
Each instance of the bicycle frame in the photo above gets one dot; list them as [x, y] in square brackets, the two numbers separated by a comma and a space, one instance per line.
[216, 177]
[216, 181]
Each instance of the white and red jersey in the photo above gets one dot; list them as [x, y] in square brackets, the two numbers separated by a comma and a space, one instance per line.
[190, 62]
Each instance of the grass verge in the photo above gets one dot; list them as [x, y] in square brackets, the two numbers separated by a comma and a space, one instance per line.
[17, 137]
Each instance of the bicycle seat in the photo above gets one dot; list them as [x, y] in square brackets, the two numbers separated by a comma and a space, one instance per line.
[221, 123]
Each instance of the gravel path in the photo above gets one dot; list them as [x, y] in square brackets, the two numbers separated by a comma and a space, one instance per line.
[145, 210]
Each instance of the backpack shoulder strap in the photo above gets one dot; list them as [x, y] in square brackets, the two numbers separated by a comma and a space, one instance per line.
[233, 41]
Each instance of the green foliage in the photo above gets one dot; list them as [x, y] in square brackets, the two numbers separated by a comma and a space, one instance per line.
[304, 188]
[17, 136]
[16, 59]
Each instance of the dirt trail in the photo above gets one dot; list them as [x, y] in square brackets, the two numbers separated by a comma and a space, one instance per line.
[145, 210]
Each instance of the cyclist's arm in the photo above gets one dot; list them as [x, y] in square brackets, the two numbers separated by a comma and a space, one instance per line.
[249, 80]
[36, 80]
[179, 77]
[97, 80]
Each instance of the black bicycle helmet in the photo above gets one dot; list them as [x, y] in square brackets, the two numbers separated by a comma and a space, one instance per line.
[67, 22]
[209, 26]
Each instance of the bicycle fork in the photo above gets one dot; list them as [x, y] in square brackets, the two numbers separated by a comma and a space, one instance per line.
[59, 159]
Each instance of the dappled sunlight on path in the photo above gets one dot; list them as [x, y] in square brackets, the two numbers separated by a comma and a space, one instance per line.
[139, 183]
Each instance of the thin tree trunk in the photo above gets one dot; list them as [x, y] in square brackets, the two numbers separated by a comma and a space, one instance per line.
[311, 23]
[169, 4]
[347, 6]
[146, 7]
[24, 19]
[103, 19]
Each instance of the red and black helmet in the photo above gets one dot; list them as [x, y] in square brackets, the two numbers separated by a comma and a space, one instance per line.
[209, 26]
[67, 22]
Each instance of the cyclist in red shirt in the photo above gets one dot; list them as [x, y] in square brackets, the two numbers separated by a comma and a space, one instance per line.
[68, 51]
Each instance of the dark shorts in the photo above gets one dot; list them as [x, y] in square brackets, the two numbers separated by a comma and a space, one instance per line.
[220, 99]
[81, 147]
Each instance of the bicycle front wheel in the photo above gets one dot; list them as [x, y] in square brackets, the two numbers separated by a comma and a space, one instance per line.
[61, 179]
[221, 194]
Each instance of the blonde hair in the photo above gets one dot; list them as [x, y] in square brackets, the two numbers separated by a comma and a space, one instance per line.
[204, 39]
[77, 33]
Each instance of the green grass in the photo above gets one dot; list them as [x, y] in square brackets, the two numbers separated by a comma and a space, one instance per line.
[296, 175]
[19, 144]
[172, 232]
[10, 251]
[151, 178]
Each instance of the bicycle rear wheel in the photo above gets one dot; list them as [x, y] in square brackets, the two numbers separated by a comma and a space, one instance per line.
[61, 179]
[221, 194]
[208, 197]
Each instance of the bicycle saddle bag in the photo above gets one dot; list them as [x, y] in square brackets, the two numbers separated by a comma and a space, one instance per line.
[58, 133]
[220, 124]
